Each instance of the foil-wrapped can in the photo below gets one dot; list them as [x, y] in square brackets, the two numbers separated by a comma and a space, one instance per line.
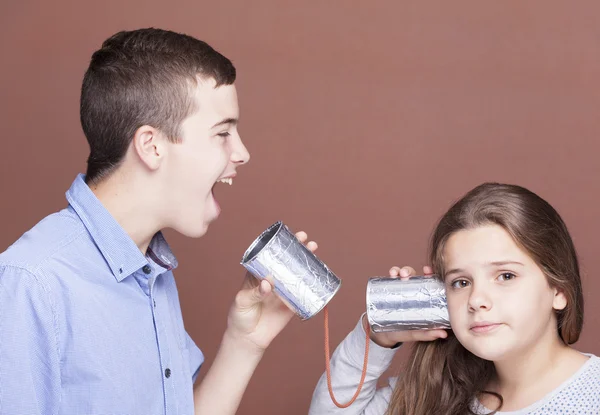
[414, 304]
[302, 281]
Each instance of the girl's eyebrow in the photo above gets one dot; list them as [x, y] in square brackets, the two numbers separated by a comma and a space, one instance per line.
[493, 263]
[500, 263]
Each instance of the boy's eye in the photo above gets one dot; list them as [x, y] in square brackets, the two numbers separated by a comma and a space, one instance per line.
[506, 276]
[223, 135]
[460, 284]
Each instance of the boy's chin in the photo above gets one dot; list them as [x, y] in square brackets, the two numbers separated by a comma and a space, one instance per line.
[192, 230]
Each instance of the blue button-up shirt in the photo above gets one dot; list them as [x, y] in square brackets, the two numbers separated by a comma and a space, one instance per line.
[89, 325]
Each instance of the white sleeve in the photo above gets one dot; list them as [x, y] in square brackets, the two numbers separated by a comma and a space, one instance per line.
[346, 370]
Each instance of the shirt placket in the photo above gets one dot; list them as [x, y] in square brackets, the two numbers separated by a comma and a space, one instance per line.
[163, 345]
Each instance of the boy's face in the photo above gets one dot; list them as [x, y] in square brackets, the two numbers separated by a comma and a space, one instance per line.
[210, 150]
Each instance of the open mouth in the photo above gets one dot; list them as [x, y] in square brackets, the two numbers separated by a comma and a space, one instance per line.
[225, 180]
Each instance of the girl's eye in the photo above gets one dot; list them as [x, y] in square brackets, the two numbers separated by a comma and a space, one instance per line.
[460, 284]
[506, 276]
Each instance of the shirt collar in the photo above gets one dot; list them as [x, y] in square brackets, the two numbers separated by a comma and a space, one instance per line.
[120, 252]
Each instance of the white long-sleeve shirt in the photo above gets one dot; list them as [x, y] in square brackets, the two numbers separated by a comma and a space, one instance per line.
[580, 394]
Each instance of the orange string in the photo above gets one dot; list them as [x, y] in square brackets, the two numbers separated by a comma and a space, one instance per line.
[328, 369]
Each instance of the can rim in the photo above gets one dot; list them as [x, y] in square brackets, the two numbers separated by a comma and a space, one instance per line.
[367, 296]
[245, 258]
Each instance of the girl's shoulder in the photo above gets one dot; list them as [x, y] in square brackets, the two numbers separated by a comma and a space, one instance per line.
[591, 368]
[582, 390]
[580, 394]
[588, 376]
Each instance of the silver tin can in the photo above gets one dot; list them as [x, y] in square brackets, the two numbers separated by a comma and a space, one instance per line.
[299, 278]
[414, 304]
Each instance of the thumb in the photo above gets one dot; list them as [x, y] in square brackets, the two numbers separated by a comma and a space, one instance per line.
[250, 297]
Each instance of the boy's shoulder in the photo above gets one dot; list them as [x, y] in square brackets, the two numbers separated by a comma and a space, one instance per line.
[43, 240]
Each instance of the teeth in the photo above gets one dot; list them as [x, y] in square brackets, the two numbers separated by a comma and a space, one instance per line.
[227, 180]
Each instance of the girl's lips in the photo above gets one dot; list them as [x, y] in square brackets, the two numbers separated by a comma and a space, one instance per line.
[485, 327]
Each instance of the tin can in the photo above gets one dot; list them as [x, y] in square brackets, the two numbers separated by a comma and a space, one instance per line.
[414, 304]
[302, 281]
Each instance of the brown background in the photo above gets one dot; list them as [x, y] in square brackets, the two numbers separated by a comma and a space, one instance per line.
[364, 122]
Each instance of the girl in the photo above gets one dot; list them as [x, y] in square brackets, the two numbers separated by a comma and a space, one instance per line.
[515, 305]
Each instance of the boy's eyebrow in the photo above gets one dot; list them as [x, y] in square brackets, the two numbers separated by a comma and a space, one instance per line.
[232, 121]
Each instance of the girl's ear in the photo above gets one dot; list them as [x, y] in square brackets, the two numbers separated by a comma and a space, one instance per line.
[560, 300]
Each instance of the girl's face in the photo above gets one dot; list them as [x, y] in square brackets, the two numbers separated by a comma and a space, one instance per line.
[499, 300]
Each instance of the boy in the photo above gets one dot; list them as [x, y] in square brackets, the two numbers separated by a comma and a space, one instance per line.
[90, 321]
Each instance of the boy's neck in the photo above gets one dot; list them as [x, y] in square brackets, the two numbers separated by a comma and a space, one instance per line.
[132, 203]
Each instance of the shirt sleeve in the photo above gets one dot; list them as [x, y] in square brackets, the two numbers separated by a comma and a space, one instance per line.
[196, 357]
[29, 356]
[346, 369]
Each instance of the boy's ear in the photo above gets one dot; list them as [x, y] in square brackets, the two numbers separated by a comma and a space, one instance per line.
[149, 145]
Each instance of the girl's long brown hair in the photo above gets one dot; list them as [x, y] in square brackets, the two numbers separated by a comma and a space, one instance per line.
[442, 377]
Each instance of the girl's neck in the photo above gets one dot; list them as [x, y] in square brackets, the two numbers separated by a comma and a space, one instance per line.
[528, 376]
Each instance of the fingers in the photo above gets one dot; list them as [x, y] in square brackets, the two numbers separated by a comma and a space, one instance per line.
[407, 272]
[422, 335]
[390, 338]
[429, 335]
[312, 246]
[394, 271]
[404, 273]
[303, 237]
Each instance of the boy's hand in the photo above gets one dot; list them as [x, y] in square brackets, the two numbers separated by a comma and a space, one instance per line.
[257, 314]
[389, 339]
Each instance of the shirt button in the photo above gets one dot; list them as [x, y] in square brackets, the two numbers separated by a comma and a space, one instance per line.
[154, 302]
[167, 373]
[146, 269]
